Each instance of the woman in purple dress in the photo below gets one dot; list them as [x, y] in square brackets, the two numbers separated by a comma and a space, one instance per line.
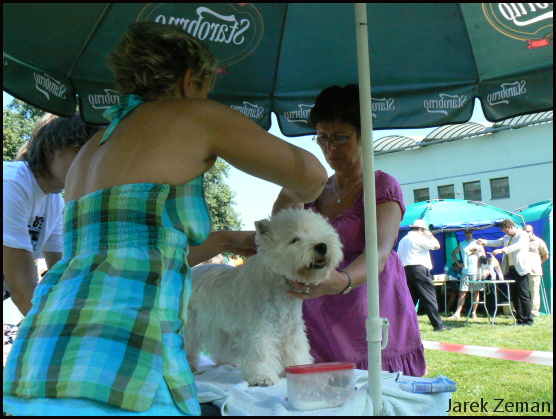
[335, 311]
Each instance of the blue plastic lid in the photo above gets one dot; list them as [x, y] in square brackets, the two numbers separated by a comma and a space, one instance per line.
[440, 384]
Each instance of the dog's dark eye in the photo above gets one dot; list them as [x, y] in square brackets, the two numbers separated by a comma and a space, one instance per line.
[295, 239]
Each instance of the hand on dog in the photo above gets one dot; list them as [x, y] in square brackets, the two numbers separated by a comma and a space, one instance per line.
[243, 243]
[335, 284]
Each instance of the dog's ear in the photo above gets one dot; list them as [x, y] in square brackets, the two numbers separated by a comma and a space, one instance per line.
[262, 227]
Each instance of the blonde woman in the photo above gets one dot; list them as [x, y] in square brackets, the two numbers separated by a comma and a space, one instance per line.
[104, 334]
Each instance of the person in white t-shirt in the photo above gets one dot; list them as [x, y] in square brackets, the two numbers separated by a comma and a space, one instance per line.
[470, 252]
[32, 223]
[414, 252]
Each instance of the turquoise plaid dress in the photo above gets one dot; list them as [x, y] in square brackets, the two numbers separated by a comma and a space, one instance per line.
[106, 323]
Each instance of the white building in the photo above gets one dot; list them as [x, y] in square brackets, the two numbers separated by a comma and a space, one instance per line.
[508, 165]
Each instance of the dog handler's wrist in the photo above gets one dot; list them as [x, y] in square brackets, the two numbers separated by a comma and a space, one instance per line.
[349, 286]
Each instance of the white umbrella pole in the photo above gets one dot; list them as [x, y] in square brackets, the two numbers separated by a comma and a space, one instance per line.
[374, 323]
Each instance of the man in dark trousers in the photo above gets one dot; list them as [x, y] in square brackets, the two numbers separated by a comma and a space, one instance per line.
[414, 252]
[516, 265]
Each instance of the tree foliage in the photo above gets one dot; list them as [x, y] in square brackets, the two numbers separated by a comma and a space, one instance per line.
[220, 198]
[20, 118]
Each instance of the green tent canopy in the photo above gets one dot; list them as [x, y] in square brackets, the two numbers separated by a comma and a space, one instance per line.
[539, 215]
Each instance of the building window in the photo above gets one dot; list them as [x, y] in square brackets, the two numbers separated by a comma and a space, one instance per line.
[446, 192]
[499, 188]
[472, 191]
[421, 194]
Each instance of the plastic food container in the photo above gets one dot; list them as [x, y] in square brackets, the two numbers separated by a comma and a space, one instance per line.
[320, 386]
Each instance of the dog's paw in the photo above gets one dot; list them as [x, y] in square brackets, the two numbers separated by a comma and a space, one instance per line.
[263, 381]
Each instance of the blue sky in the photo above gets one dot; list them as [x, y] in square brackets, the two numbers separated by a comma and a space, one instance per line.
[255, 197]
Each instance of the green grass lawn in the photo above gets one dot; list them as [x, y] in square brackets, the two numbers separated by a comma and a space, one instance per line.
[507, 387]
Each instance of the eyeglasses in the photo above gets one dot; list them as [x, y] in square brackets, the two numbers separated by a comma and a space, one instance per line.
[335, 139]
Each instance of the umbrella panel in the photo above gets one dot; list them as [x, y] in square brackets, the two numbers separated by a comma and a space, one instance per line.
[428, 61]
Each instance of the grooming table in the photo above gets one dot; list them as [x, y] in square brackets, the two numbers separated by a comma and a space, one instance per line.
[224, 387]
[492, 283]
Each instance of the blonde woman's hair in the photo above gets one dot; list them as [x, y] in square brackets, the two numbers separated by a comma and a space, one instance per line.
[151, 58]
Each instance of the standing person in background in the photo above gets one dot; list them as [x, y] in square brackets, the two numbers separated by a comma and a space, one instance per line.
[538, 254]
[414, 250]
[32, 203]
[516, 265]
[105, 334]
[470, 253]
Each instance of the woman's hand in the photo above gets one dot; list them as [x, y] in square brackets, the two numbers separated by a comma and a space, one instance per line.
[335, 284]
[243, 243]
[238, 242]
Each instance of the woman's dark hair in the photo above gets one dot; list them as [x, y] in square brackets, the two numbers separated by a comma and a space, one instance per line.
[337, 103]
[51, 134]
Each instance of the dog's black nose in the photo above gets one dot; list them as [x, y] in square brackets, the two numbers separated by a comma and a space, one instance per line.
[321, 248]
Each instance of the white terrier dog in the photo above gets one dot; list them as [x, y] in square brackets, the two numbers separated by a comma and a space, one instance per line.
[244, 316]
[486, 265]
[489, 265]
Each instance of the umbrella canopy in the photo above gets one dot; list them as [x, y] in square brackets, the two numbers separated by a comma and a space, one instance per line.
[428, 61]
[447, 215]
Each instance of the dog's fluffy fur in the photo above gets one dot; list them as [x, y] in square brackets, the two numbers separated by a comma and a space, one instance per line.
[244, 316]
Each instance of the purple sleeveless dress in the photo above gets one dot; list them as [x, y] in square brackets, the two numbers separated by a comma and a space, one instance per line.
[336, 323]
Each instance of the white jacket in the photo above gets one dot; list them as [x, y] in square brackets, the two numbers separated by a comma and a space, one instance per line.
[520, 249]
[414, 249]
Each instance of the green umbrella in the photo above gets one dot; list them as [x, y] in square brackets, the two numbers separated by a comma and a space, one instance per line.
[428, 62]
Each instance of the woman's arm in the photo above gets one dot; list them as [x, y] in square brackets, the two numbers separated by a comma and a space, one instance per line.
[21, 276]
[238, 242]
[249, 148]
[284, 201]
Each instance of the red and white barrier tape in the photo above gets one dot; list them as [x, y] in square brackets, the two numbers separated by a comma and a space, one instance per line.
[535, 357]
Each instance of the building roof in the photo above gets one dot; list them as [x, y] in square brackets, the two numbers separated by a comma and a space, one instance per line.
[393, 142]
[453, 132]
[528, 119]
